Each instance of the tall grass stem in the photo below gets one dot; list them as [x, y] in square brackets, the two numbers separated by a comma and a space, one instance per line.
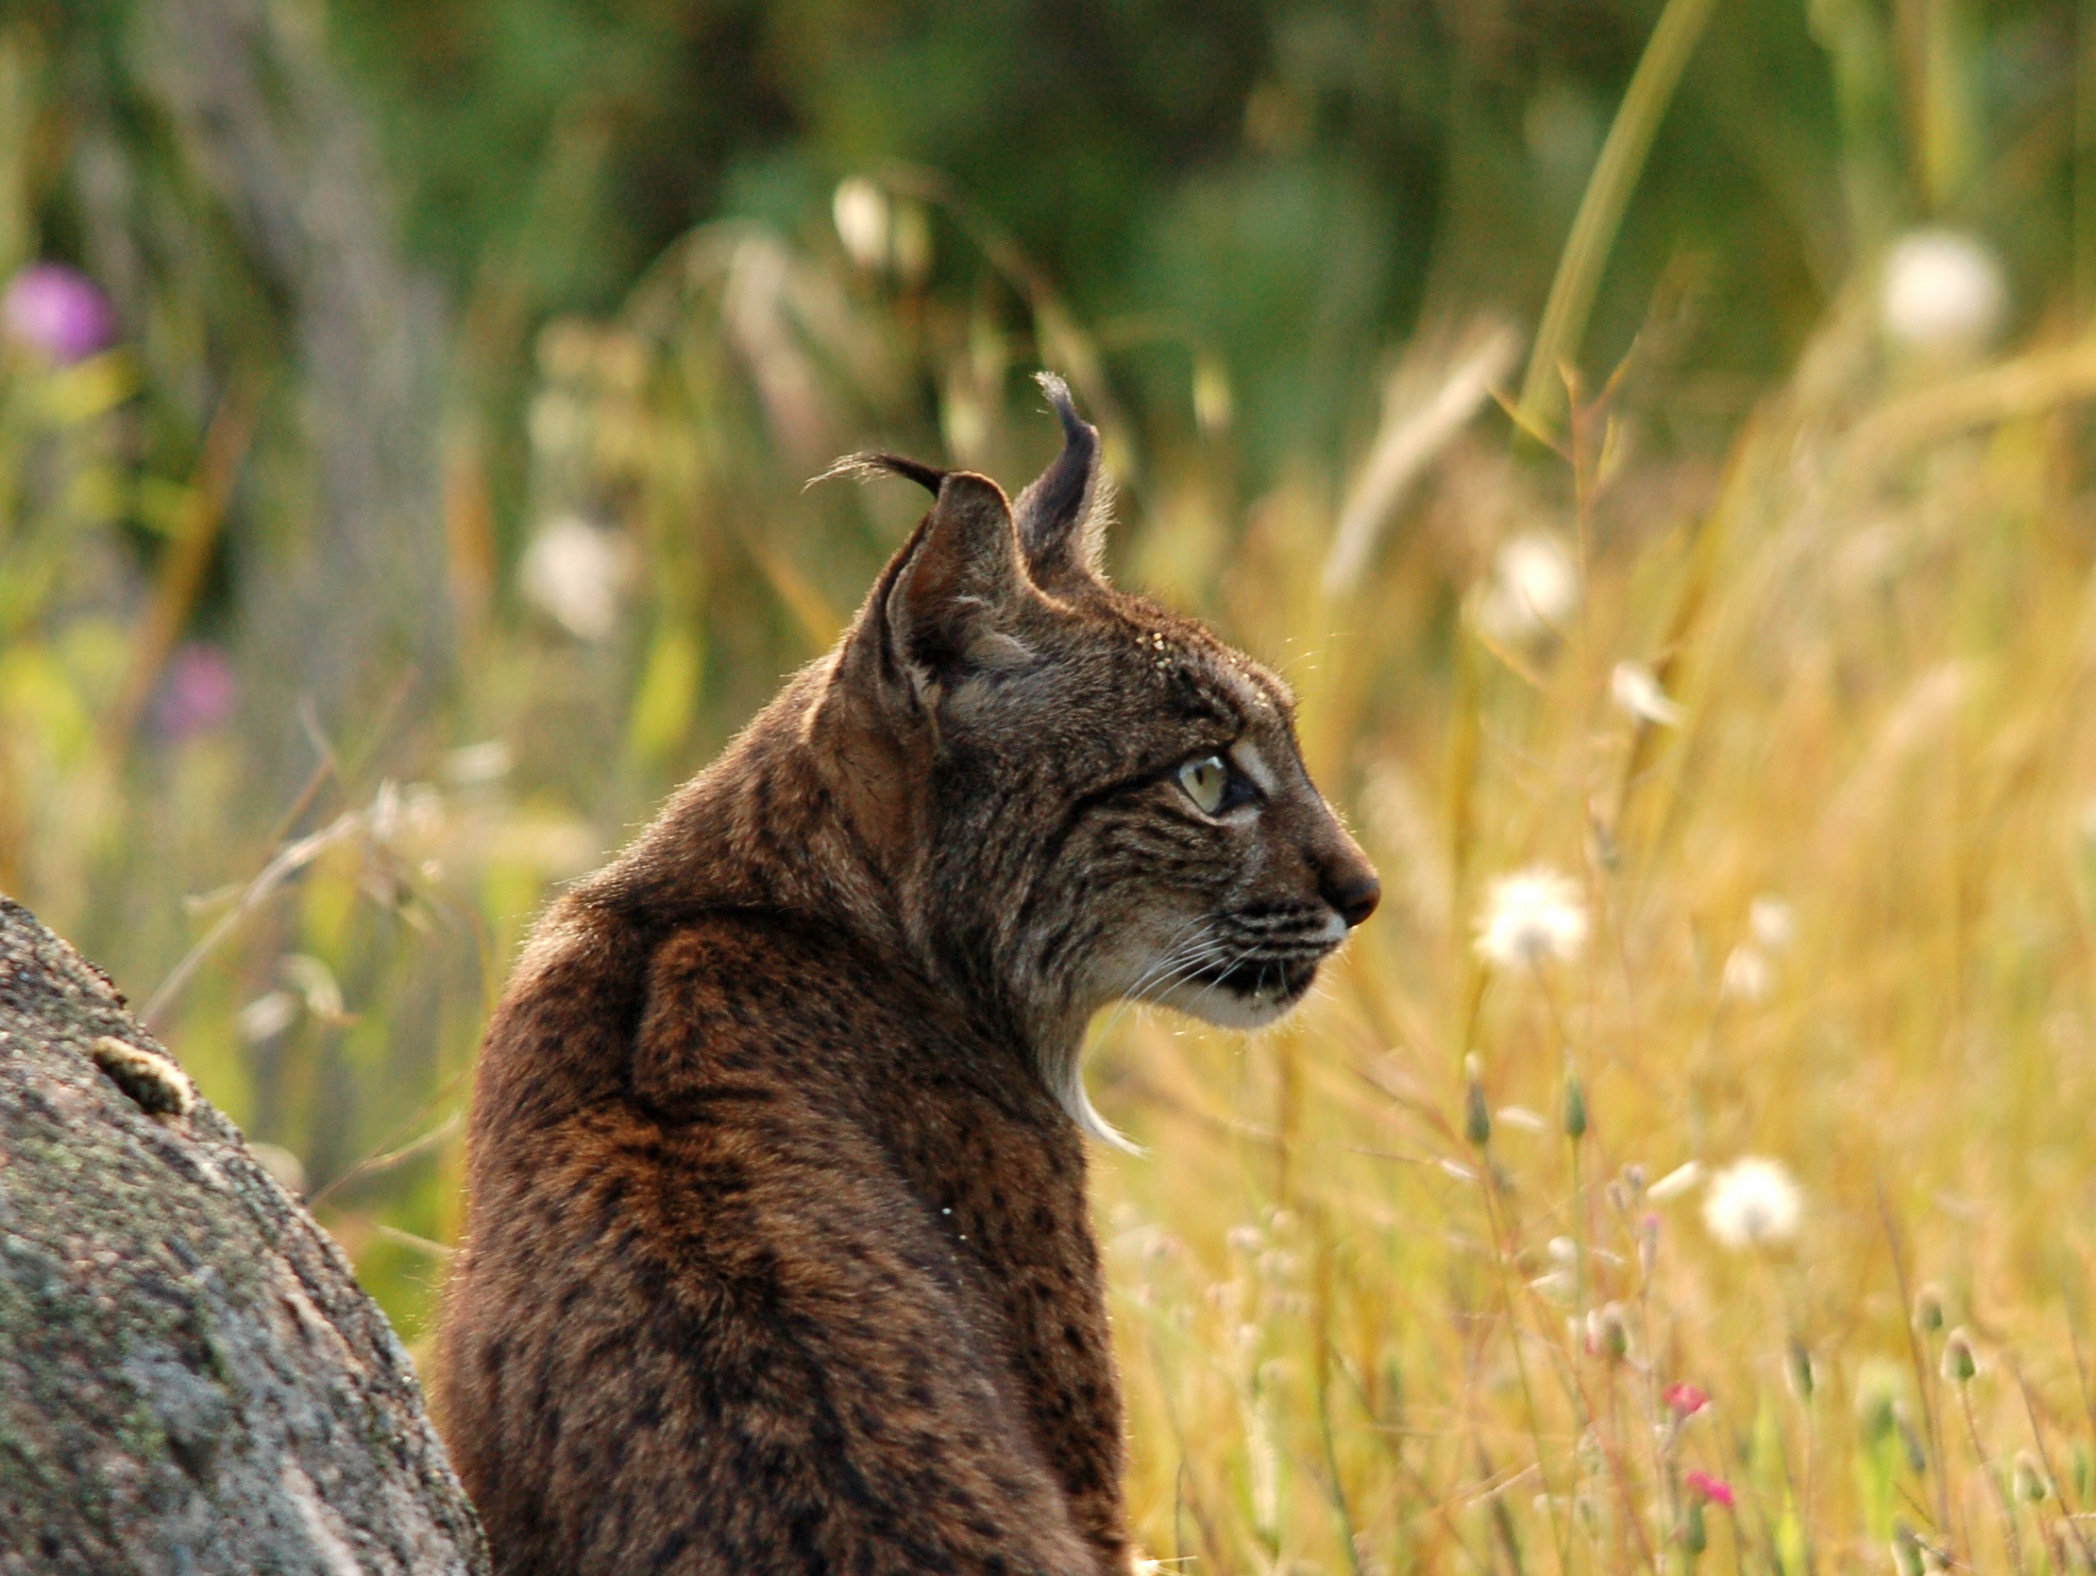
[1600, 215]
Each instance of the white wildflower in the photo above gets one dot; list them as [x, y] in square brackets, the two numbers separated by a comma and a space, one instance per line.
[1748, 977]
[1534, 589]
[1943, 292]
[266, 1017]
[1675, 1182]
[575, 572]
[1753, 1203]
[860, 212]
[1531, 918]
[471, 765]
[1633, 688]
[1773, 923]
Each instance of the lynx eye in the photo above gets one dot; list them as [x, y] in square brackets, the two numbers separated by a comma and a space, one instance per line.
[1212, 785]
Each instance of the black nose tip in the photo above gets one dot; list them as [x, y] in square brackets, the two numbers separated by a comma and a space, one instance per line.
[1355, 895]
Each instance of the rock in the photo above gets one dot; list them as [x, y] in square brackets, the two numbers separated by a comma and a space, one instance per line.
[190, 1378]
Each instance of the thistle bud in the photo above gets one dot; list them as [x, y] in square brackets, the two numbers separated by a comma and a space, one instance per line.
[1928, 1309]
[1608, 1332]
[1694, 1536]
[1575, 1109]
[2029, 1479]
[1800, 1370]
[1477, 1115]
[1877, 1397]
[1960, 1362]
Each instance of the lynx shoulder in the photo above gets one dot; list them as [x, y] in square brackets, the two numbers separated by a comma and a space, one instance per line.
[777, 1256]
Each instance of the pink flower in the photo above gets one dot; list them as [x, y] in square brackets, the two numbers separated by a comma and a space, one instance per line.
[60, 311]
[1685, 1399]
[1714, 1489]
[198, 693]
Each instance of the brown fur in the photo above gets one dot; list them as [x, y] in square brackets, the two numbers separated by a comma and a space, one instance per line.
[778, 1257]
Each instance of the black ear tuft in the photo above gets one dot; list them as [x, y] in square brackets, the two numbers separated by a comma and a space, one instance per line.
[1058, 516]
[865, 467]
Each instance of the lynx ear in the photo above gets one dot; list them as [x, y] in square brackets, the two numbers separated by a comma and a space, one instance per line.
[1062, 516]
[951, 592]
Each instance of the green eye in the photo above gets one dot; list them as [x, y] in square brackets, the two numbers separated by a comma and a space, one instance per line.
[1207, 783]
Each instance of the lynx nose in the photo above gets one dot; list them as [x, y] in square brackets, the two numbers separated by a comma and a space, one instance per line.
[1356, 900]
[1351, 887]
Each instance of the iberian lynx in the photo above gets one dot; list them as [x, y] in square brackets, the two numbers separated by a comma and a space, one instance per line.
[777, 1256]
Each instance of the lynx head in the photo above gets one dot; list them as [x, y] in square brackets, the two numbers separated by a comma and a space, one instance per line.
[1078, 796]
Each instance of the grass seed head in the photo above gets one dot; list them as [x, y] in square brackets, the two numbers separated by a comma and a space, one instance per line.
[1675, 1183]
[1633, 688]
[1748, 976]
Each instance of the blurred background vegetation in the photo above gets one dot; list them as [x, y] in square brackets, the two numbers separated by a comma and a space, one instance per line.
[1650, 436]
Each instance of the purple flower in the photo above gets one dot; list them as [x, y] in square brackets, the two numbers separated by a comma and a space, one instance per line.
[197, 694]
[60, 311]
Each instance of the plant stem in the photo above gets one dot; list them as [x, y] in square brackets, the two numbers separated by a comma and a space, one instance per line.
[2001, 1498]
[1608, 192]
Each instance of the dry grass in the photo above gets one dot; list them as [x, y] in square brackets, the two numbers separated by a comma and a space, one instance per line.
[1357, 1339]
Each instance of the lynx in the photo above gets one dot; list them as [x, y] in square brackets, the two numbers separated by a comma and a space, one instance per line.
[777, 1256]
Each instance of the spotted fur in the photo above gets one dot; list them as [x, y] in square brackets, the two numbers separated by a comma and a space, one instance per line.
[777, 1257]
